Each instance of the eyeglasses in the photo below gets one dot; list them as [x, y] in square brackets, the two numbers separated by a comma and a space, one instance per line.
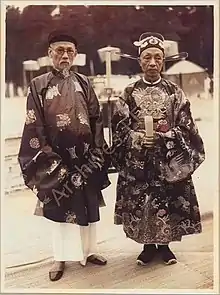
[60, 51]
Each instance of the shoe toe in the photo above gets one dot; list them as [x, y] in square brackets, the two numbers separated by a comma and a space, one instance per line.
[97, 259]
[171, 261]
[167, 256]
[57, 270]
[145, 257]
[141, 263]
[55, 275]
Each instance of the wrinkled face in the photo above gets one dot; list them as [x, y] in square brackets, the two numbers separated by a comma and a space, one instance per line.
[62, 54]
[151, 62]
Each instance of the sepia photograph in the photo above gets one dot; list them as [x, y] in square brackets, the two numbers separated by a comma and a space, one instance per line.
[110, 154]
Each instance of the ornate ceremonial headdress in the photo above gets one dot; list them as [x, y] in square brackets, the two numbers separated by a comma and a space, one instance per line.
[148, 40]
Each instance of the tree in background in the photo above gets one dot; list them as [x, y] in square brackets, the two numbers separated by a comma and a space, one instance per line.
[13, 59]
[98, 26]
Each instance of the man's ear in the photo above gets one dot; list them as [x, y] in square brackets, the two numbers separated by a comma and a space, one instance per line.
[49, 52]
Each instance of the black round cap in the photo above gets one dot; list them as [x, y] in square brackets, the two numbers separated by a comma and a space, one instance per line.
[57, 36]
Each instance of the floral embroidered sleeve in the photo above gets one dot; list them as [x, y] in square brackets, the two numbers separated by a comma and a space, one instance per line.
[41, 167]
[122, 133]
[182, 145]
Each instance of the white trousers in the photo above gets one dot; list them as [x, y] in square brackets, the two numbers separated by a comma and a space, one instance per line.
[72, 242]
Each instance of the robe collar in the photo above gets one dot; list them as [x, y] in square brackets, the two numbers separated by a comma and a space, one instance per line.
[63, 74]
[150, 83]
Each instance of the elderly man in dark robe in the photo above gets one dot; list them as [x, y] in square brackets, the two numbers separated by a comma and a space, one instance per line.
[156, 148]
[61, 155]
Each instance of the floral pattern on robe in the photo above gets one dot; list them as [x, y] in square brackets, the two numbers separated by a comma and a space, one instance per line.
[61, 155]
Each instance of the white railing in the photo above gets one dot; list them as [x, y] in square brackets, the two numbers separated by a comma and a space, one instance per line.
[13, 179]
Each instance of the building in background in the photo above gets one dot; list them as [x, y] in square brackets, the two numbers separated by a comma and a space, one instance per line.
[189, 76]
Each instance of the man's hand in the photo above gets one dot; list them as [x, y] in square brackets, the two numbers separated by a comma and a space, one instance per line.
[137, 139]
[140, 139]
[148, 141]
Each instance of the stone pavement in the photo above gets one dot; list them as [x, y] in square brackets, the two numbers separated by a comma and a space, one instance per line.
[193, 271]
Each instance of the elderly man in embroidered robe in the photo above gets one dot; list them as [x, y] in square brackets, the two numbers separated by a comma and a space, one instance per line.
[61, 155]
[156, 148]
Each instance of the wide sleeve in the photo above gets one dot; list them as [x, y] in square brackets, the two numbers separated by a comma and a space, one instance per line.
[41, 167]
[125, 140]
[182, 145]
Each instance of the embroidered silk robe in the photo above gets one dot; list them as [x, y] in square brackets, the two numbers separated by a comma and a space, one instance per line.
[61, 155]
[156, 200]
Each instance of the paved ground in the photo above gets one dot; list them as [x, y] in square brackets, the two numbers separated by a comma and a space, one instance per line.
[193, 271]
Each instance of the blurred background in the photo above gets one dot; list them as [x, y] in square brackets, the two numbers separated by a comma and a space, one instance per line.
[190, 28]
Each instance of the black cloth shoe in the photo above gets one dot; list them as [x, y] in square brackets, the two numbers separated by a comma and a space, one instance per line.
[57, 271]
[147, 254]
[97, 259]
[167, 255]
